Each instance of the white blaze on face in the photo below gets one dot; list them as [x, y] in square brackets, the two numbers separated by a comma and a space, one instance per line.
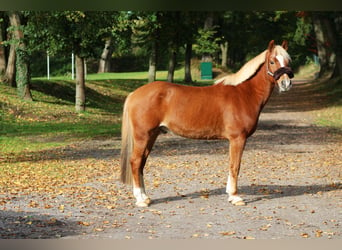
[280, 59]
[285, 83]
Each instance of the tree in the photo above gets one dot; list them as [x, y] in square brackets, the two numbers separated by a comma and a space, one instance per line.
[179, 30]
[80, 32]
[9, 76]
[172, 31]
[22, 57]
[2, 47]
[105, 60]
[9, 71]
[207, 44]
[80, 98]
[191, 22]
[146, 28]
[326, 54]
[187, 62]
[328, 38]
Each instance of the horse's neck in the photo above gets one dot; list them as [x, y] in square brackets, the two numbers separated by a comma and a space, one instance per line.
[262, 85]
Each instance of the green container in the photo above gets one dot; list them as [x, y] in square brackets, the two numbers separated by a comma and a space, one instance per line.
[206, 70]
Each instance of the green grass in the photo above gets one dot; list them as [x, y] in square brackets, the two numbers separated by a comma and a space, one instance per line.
[19, 136]
[51, 121]
[331, 116]
[105, 76]
[161, 75]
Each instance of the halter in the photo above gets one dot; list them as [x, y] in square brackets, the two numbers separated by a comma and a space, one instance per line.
[279, 72]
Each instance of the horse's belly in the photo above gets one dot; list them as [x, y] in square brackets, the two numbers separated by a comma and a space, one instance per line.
[193, 132]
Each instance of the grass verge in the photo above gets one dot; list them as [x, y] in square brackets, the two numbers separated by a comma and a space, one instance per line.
[331, 114]
[50, 120]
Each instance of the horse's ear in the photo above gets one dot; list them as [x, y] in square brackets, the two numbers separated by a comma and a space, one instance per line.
[285, 45]
[271, 45]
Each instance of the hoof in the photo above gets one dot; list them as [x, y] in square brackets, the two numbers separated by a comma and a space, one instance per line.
[236, 201]
[148, 201]
[144, 203]
[239, 203]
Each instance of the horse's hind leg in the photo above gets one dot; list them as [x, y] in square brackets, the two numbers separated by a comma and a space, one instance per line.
[141, 150]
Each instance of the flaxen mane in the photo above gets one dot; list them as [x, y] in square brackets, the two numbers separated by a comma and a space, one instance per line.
[249, 69]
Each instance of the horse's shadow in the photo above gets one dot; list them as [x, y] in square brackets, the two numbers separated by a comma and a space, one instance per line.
[255, 193]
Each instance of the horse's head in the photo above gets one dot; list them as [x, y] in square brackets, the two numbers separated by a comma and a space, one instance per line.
[277, 60]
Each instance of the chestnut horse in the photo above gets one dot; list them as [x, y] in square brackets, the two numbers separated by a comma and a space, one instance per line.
[229, 109]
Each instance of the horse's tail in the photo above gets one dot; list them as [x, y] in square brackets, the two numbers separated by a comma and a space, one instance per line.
[126, 146]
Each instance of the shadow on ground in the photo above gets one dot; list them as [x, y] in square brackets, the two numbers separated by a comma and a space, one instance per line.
[258, 192]
[26, 225]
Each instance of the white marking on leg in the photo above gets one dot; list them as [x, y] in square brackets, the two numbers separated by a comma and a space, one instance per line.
[140, 195]
[228, 185]
[234, 199]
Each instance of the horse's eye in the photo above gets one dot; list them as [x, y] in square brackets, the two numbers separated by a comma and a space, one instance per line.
[271, 62]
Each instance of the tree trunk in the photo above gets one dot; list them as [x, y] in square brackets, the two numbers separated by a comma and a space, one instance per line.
[187, 63]
[22, 59]
[2, 52]
[326, 54]
[23, 74]
[105, 60]
[152, 63]
[333, 28]
[338, 67]
[80, 85]
[172, 66]
[224, 52]
[9, 76]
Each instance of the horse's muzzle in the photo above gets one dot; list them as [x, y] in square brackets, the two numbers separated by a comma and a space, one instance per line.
[285, 85]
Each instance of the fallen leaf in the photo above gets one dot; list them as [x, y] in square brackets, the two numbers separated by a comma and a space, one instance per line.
[227, 233]
[318, 233]
[33, 204]
[248, 238]
[84, 223]
[52, 221]
[156, 184]
[265, 227]
[304, 235]
[61, 208]
[205, 193]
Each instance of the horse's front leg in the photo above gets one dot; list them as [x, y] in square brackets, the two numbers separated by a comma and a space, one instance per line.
[141, 150]
[236, 148]
[142, 200]
[138, 161]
